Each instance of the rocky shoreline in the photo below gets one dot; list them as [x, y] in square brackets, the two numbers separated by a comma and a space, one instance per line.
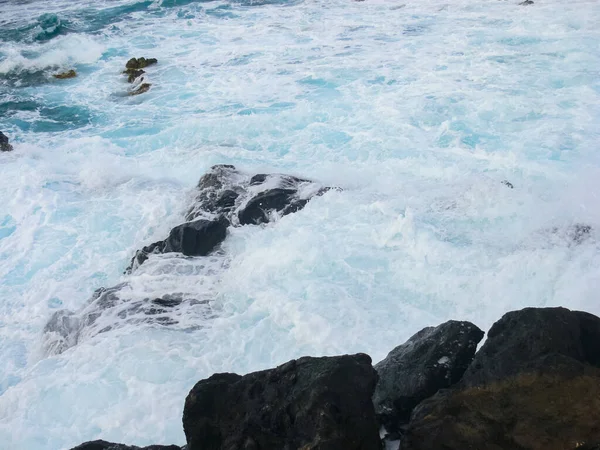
[534, 384]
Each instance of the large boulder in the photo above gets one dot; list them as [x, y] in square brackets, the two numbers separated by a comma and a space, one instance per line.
[309, 403]
[535, 384]
[536, 340]
[435, 358]
[104, 445]
[198, 238]
[4, 144]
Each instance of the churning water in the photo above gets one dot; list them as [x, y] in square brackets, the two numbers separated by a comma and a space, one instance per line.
[419, 110]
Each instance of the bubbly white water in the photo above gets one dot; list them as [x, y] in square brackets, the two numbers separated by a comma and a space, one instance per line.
[418, 109]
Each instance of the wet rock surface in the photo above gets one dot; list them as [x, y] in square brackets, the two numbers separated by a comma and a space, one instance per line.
[535, 384]
[4, 143]
[309, 403]
[142, 88]
[65, 75]
[198, 238]
[432, 359]
[224, 194]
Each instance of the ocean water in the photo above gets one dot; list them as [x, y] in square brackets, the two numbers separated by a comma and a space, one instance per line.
[419, 110]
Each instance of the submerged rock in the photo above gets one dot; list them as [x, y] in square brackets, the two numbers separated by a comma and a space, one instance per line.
[309, 403]
[198, 238]
[132, 74]
[64, 75]
[507, 184]
[104, 445]
[144, 87]
[526, 3]
[432, 359]
[140, 63]
[535, 384]
[4, 144]
[113, 308]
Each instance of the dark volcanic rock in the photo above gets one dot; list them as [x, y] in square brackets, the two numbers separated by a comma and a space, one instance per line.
[4, 144]
[64, 75]
[432, 359]
[198, 238]
[140, 63]
[535, 339]
[283, 201]
[144, 87]
[243, 199]
[309, 403]
[132, 74]
[526, 3]
[508, 184]
[535, 384]
[103, 445]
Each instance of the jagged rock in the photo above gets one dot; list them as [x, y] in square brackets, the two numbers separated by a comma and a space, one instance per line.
[104, 445]
[309, 403]
[535, 339]
[144, 87]
[507, 184]
[526, 3]
[535, 384]
[4, 144]
[140, 63]
[132, 74]
[432, 359]
[64, 75]
[243, 199]
[198, 238]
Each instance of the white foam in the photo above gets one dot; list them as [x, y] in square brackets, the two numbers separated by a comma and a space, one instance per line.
[418, 113]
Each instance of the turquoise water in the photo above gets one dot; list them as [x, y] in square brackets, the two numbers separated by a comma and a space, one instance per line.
[418, 110]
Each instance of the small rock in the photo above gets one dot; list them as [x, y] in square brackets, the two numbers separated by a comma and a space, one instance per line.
[526, 2]
[140, 63]
[144, 87]
[61, 76]
[104, 445]
[309, 403]
[432, 359]
[4, 144]
[507, 183]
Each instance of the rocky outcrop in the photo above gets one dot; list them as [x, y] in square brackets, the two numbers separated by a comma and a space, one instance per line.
[227, 197]
[245, 199]
[536, 339]
[65, 75]
[104, 445]
[133, 70]
[432, 359]
[309, 403]
[140, 63]
[224, 194]
[535, 384]
[4, 144]
[144, 87]
[198, 238]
